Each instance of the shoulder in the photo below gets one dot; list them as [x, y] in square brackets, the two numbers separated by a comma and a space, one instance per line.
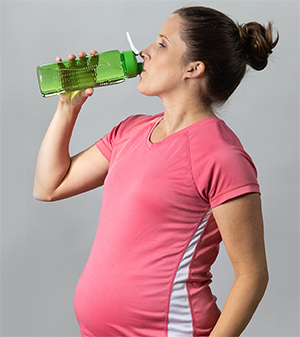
[214, 131]
[214, 140]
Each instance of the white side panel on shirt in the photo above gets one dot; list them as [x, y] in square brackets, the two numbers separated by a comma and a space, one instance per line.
[180, 319]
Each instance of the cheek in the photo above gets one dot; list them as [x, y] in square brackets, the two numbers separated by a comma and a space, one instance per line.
[165, 77]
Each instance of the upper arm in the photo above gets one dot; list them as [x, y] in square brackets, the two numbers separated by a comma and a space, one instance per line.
[241, 226]
[87, 171]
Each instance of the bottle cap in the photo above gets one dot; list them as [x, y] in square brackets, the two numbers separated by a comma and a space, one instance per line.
[133, 68]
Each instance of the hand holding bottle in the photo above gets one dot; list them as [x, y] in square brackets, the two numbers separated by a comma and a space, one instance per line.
[76, 98]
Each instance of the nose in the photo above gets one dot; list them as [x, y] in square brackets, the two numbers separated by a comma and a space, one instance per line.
[142, 54]
[145, 53]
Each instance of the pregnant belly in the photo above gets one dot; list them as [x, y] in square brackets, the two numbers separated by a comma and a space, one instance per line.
[114, 303]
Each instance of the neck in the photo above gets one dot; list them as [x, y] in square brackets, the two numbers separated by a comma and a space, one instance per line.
[179, 115]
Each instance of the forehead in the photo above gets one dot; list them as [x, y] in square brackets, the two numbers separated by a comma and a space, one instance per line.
[171, 28]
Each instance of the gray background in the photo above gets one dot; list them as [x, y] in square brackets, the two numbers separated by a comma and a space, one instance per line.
[44, 246]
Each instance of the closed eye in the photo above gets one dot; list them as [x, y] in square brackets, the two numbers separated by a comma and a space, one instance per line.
[162, 45]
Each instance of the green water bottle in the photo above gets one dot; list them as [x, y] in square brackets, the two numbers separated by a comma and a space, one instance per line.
[102, 69]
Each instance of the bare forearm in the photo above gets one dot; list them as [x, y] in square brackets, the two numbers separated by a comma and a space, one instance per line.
[240, 305]
[54, 160]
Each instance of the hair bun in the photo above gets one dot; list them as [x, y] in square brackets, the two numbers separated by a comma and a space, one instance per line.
[258, 43]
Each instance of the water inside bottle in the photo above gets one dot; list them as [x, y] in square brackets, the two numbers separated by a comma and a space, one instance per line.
[79, 74]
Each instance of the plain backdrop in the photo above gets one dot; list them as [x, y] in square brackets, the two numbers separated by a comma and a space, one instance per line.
[44, 246]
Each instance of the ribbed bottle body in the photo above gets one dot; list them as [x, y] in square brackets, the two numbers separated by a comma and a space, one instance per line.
[93, 71]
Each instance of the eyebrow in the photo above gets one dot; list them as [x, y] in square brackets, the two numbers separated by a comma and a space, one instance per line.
[161, 35]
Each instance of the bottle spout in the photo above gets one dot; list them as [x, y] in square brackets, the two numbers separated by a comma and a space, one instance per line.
[133, 48]
[140, 67]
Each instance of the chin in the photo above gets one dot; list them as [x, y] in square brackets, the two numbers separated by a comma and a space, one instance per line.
[144, 90]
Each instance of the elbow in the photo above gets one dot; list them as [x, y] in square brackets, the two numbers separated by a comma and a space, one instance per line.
[261, 284]
[41, 192]
[257, 280]
[263, 275]
[42, 196]
[264, 279]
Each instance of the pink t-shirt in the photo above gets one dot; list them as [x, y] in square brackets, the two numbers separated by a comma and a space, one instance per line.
[148, 272]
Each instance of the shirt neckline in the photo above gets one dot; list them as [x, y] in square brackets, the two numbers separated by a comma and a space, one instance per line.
[175, 134]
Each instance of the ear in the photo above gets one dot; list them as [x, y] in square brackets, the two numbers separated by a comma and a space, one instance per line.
[195, 69]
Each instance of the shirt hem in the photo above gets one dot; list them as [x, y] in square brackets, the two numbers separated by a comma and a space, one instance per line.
[253, 188]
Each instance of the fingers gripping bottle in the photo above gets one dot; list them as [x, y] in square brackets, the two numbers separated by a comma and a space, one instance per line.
[102, 69]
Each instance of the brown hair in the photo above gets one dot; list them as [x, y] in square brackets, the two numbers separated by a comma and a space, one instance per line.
[224, 47]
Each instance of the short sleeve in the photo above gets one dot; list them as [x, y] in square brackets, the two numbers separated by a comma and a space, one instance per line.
[232, 174]
[221, 168]
[106, 144]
